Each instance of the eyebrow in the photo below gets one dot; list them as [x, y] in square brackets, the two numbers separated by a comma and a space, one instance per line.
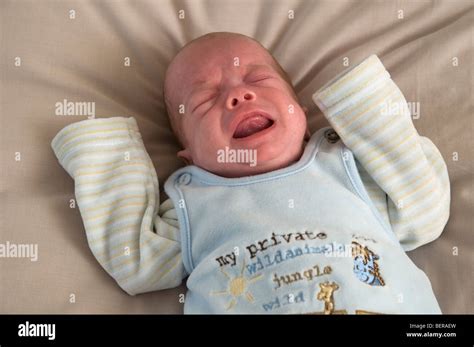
[196, 90]
[199, 82]
[196, 84]
[259, 65]
[247, 69]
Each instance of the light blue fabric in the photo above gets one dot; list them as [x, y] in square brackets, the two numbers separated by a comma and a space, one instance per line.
[301, 239]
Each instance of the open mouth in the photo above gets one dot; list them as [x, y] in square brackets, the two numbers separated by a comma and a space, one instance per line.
[252, 125]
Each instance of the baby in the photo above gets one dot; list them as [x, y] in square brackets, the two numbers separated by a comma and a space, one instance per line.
[265, 218]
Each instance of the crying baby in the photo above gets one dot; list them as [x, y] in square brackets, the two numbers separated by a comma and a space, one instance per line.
[226, 92]
[265, 217]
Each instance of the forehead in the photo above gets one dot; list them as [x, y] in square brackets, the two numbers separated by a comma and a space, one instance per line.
[221, 52]
[202, 59]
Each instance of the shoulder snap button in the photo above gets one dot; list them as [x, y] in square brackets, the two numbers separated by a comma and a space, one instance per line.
[331, 136]
[184, 179]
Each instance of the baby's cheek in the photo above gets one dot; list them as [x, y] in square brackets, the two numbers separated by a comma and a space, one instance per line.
[295, 118]
[206, 147]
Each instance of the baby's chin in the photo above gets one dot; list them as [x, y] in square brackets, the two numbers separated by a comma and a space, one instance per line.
[233, 163]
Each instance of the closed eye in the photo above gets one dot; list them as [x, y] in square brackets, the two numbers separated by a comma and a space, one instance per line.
[259, 78]
[203, 102]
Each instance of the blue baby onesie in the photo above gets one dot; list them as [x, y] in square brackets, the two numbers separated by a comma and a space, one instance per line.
[302, 239]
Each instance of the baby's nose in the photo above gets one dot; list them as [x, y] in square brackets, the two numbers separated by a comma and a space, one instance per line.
[235, 99]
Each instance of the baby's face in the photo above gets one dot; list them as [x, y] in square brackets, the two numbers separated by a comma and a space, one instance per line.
[235, 103]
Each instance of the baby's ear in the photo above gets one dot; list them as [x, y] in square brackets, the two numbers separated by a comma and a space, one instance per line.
[307, 135]
[185, 155]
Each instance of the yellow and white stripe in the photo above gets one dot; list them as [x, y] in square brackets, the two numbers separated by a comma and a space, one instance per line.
[403, 172]
[135, 239]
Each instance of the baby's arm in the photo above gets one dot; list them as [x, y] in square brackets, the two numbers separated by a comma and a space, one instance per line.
[134, 239]
[390, 154]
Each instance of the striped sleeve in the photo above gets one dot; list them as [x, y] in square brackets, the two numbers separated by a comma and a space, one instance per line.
[403, 172]
[134, 238]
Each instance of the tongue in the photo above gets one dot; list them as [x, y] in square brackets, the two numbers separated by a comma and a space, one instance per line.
[251, 126]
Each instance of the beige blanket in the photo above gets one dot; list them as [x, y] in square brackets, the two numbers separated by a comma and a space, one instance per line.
[115, 53]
